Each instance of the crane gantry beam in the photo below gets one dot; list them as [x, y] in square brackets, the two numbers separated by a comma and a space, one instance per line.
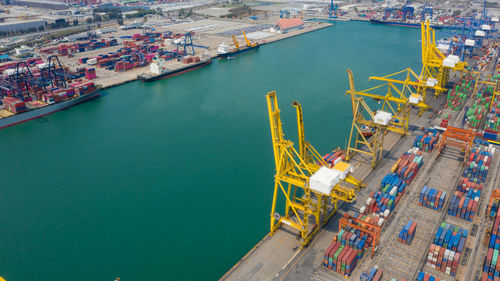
[305, 209]
[435, 71]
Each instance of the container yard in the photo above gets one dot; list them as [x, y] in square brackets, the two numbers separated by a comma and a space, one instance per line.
[401, 183]
[422, 215]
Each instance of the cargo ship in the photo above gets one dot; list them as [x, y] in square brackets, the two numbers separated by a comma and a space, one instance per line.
[160, 71]
[225, 51]
[16, 111]
[404, 24]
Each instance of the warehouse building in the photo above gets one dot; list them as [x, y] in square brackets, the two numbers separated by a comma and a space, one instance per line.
[287, 25]
[16, 26]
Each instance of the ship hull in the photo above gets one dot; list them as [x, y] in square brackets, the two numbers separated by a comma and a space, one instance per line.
[188, 68]
[45, 110]
[238, 52]
[404, 24]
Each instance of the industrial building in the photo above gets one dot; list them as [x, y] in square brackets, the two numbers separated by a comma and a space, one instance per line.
[21, 25]
[287, 25]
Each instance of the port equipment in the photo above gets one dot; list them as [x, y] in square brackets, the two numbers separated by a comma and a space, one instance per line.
[427, 9]
[284, 13]
[21, 83]
[435, 66]
[308, 153]
[394, 115]
[459, 138]
[495, 195]
[332, 10]
[389, 9]
[188, 46]
[362, 226]
[357, 139]
[249, 43]
[306, 208]
[407, 10]
[235, 41]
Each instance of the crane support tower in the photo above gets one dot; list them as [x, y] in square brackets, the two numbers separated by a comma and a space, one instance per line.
[307, 207]
[393, 116]
[435, 66]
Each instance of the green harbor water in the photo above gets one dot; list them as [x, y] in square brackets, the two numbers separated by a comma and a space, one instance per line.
[172, 180]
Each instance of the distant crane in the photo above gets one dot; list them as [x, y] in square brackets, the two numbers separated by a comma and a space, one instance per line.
[427, 9]
[333, 10]
[284, 13]
[306, 209]
[249, 43]
[408, 10]
[389, 9]
[187, 45]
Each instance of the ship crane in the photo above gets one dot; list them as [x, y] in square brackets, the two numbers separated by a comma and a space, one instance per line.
[249, 43]
[306, 207]
[235, 41]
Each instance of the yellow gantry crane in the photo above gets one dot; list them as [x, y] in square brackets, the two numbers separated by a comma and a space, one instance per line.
[296, 179]
[393, 116]
[435, 66]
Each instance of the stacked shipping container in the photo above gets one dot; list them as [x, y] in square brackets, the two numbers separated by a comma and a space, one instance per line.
[444, 253]
[465, 200]
[407, 233]
[393, 185]
[427, 141]
[334, 157]
[432, 198]
[422, 276]
[337, 256]
[491, 263]
[457, 96]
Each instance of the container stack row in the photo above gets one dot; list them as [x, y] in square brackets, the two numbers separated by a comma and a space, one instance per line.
[445, 251]
[353, 240]
[334, 157]
[80, 47]
[479, 162]
[394, 184]
[491, 263]
[422, 276]
[407, 233]
[456, 97]
[465, 200]
[432, 198]
[14, 105]
[341, 258]
[427, 141]
[476, 114]
[375, 274]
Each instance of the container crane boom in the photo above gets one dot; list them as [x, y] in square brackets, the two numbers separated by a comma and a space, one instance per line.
[249, 44]
[306, 209]
[300, 128]
[236, 44]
